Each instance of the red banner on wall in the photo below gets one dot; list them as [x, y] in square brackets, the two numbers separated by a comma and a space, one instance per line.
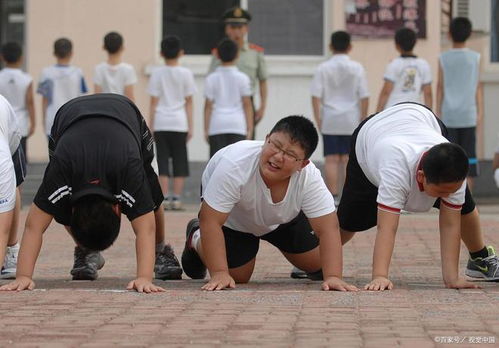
[382, 18]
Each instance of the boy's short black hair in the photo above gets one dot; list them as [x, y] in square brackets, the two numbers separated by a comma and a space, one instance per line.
[445, 163]
[12, 52]
[171, 46]
[460, 29]
[227, 50]
[300, 130]
[113, 42]
[405, 38]
[62, 48]
[94, 224]
[340, 40]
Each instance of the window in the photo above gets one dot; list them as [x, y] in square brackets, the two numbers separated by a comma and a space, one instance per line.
[284, 27]
[494, 32]
[288, 27]
[12, 21]
[197, 22]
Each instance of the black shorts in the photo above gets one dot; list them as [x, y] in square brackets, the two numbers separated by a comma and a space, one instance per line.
[294, 237]
[336, 144]
[358, 209]
[466, 138]
[172, 145]
[219, 141]
[19, 160]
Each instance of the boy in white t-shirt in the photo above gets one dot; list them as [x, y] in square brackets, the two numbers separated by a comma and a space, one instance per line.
[400, 159]
[228, 111]
[114, 76]
[171, 88]
[268, 190]
[17, 87]
[12, 173]
[340, 99]
[406, 76]
[59, 83]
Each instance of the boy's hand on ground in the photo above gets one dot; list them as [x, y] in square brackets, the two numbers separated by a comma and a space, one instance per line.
[144, 285]
[335, 283]
[379, 284]
[21, 283]
[461, 283]
[220, 281]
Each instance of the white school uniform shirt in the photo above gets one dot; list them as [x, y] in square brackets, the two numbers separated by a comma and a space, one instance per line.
[232, 183]
[59, 84]
[114, 78]
[13, 86]
[389, 149]
[226, 87]
[408, 74]
[9, 141]
[340, 83]
[171, 84]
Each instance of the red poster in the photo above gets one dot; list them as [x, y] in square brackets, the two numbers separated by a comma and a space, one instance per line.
[381, 18]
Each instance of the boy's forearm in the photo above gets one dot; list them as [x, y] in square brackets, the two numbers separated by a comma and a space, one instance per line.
[330, 247]
[207, 115]
[152, 111]
[450, 241]
[213, 242]
[384, 243]
[248, 113]
[383, 97]
[263, 94]
[364, 106]
[144, 228]
[316, 107]
[28, 253]
[189, 112]
[428, 98]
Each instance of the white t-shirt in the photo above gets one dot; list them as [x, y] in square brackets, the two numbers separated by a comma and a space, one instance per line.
[114, 78]
[9, 141]
[389, 149]
[226, 87]
[13, 86]
[232, 184]
[340, 83]
[59, 84]
[171, 84]
[409, 74]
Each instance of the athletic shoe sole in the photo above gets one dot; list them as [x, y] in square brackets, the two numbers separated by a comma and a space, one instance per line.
[480, 276]
[191, 262]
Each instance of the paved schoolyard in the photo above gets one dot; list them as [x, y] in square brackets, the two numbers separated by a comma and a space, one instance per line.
[272, 311]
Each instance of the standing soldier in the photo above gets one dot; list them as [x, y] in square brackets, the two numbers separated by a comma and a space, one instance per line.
[251, 61]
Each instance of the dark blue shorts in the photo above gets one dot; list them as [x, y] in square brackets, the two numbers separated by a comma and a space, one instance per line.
[336, 144]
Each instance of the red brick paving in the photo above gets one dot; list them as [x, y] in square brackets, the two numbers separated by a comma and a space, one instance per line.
[271, 311]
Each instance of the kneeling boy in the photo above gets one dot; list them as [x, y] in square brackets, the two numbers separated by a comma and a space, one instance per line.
[268, 190]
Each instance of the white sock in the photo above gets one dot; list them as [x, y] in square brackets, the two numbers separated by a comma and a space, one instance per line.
[196, 238]
[160, 246]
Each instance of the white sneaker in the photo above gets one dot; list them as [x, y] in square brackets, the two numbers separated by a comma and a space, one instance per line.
[10, 263]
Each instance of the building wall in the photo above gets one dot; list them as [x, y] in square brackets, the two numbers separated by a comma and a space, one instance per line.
[86, 22]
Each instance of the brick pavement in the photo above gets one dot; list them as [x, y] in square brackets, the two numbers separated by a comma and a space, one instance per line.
[271, 311]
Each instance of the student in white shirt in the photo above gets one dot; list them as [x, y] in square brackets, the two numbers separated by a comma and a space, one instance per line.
[340, 99]
[17, 87]
[268, 190]
[171, 88]
[12, 173]
[400, 159]
[114, 76]
[228, 111]
[59, 83]
[406, 76]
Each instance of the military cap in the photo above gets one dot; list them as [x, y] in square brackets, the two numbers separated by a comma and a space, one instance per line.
[236, 15]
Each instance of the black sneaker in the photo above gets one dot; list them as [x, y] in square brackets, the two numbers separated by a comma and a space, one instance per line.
[167, 265]
[486, 268]
[191, 262]
[86, 264]
[297, 273]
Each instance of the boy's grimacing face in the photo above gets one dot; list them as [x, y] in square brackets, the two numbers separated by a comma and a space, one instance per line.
[281, 157]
